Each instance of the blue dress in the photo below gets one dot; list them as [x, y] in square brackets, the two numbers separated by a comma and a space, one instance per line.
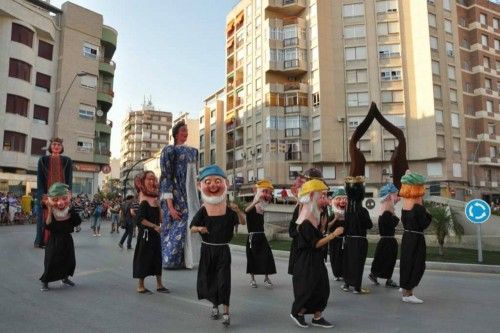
[178, 182]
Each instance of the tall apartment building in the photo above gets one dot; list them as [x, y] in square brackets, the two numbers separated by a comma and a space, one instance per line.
[144, 133]
[479, 35]
[212, 131]
[300, 75]
[57, 80]
[192, 127]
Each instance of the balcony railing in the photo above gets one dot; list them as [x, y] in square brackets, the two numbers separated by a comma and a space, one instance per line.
[102, 151]
[293, 156]
[294, 41]
[292, 63]
[239, 142]
[289, 132]
[107, 91]
[108, 61]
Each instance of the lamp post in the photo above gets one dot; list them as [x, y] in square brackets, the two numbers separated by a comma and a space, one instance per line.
[128, 173]
[58, 110]
[473, 173]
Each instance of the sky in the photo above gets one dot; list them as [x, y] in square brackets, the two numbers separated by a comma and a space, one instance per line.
[171, 50]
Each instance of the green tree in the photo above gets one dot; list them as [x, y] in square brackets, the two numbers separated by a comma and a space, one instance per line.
[444, 222]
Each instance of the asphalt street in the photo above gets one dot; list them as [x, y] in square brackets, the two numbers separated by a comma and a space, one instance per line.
[104, 298]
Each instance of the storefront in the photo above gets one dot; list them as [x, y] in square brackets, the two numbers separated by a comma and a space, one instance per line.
[85, 178]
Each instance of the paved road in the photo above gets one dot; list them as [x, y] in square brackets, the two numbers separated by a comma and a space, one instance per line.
[105, 300]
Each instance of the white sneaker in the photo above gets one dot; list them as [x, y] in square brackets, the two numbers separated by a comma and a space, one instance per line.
[98, 235]
[253, 284]
[268, 283]
[400, 290]
[412, 299]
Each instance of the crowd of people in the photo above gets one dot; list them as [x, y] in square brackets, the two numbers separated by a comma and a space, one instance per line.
[174, 232]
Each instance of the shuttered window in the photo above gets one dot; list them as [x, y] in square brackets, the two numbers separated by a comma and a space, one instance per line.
[17, 105]
[22, 35]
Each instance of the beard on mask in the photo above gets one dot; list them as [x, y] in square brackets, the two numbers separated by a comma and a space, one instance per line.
[214, 200]
[60, 213]
[337, 210]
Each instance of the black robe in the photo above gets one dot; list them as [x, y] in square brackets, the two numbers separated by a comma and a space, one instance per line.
[292, 232]
[59, 262]
[336, 249]
[355, 245]
[311, 287]
[214, 270]
[260, 258]
[147, 254]
[386, 252]
[413, 248]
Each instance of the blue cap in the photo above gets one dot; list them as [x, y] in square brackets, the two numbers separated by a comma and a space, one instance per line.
[211, 170]
[387, 189]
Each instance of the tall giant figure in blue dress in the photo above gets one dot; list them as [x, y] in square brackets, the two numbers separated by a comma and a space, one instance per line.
[179, 201]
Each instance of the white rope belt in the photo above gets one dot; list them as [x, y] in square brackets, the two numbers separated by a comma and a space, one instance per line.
[250, 236]
[356, 236]
[386, 236]
[415, 232]
[214, 244]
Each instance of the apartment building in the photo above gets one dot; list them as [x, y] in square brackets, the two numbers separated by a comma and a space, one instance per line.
[212, 141]
[192, 127]
[144, 133]
[479, 35]
[300, 75]
[57, 80]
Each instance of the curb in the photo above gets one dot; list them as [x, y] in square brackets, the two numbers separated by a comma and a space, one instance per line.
[431, 265]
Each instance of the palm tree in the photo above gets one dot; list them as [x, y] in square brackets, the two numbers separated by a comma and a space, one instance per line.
[444, 222]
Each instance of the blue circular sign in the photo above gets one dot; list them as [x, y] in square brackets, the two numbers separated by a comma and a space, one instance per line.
[477, 211]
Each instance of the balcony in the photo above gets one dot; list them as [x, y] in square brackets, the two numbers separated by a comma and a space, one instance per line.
[109, 37]
[107, 66]
[239, 142]
[103, 126]
[286, 7]
[292, 132]
[102, 155]
[293, 156]
[295, 66]
[229, 144]
[105, 96]
[296, 86]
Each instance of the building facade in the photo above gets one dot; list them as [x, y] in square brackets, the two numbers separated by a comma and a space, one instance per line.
[300, 75]
[192, 127]
[479, 35]
[57, 80]
[144, 133]
[212, 141]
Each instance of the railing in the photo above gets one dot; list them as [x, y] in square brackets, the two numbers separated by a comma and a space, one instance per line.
[293, 156]
[229, 165]
[108, 61]
[102, 151]
[291, 41]
[291, 86]
[106, 91]
[230, 144]
[239, 163]
[292, 132]
[101, 120]
[292, 63]
[239, 142]
[289, 2]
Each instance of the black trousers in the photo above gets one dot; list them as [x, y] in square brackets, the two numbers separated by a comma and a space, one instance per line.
[129, 229]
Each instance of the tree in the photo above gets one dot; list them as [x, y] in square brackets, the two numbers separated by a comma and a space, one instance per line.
[444, 222]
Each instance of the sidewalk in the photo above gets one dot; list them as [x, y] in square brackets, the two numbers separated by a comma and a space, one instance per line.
[432, 265]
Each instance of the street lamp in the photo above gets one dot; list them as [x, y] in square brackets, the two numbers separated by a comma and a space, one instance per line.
[128, 173]
[58, 110]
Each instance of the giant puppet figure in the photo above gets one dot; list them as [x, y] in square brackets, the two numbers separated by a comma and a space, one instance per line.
[59, 262]
[215, 223]
[51, 169]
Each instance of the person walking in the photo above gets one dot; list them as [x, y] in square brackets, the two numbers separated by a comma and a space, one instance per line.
[129, 224]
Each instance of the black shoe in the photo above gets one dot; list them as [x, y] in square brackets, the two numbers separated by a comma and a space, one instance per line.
[45, 287]
[299, 320]
[226, 321]
[120, 245]
[321, 322]
[373, 279]
[68, 282]
[391, 284]
[130, 248]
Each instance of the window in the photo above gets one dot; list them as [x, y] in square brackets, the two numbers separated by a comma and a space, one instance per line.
[454, 120]
[386, 28]
[355, 53]
[41, 114]
[489, 106]
[495, 23]
[449, 49]
[258, 152]
[440, 141]
[432, 20]
[293, 170]
[89, 81]
[317, 147]
[258, 128]
[250, 175]
[392, 96]
[389, 50]
[352, 10]
[446, 5]
[90, 51]
[329, 172]
[17, 105]
[14, 141]
[45, 50]
[456, 145]
[435, 67]
[387, 6]
[43, 81]
[486, 62]
[85, 145]
[357, 76]
[390, 74]
[453, 95]
[482, 19]
[19, 69]
[354, 31]
[313, 10]
[315, 99]
[487, 83]
[451, 72]
[493, 151]
[491, 129]
[437, 92]
[316, 125]
[212, 137]
[21, 34]
[258, 42]
[86, 111]
[497, 44]
[314, 54]
[447, 26]
[434, 43]
[357, 99]
[257, 23]
[457, 170]
[258, 63]
[260, 173]
[37, 146]
[249, 132]
[258, 84]
[484, 40]
[212, 156]
[434, 169]
[438, 114]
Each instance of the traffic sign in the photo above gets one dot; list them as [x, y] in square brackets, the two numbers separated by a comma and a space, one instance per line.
[477, 211]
